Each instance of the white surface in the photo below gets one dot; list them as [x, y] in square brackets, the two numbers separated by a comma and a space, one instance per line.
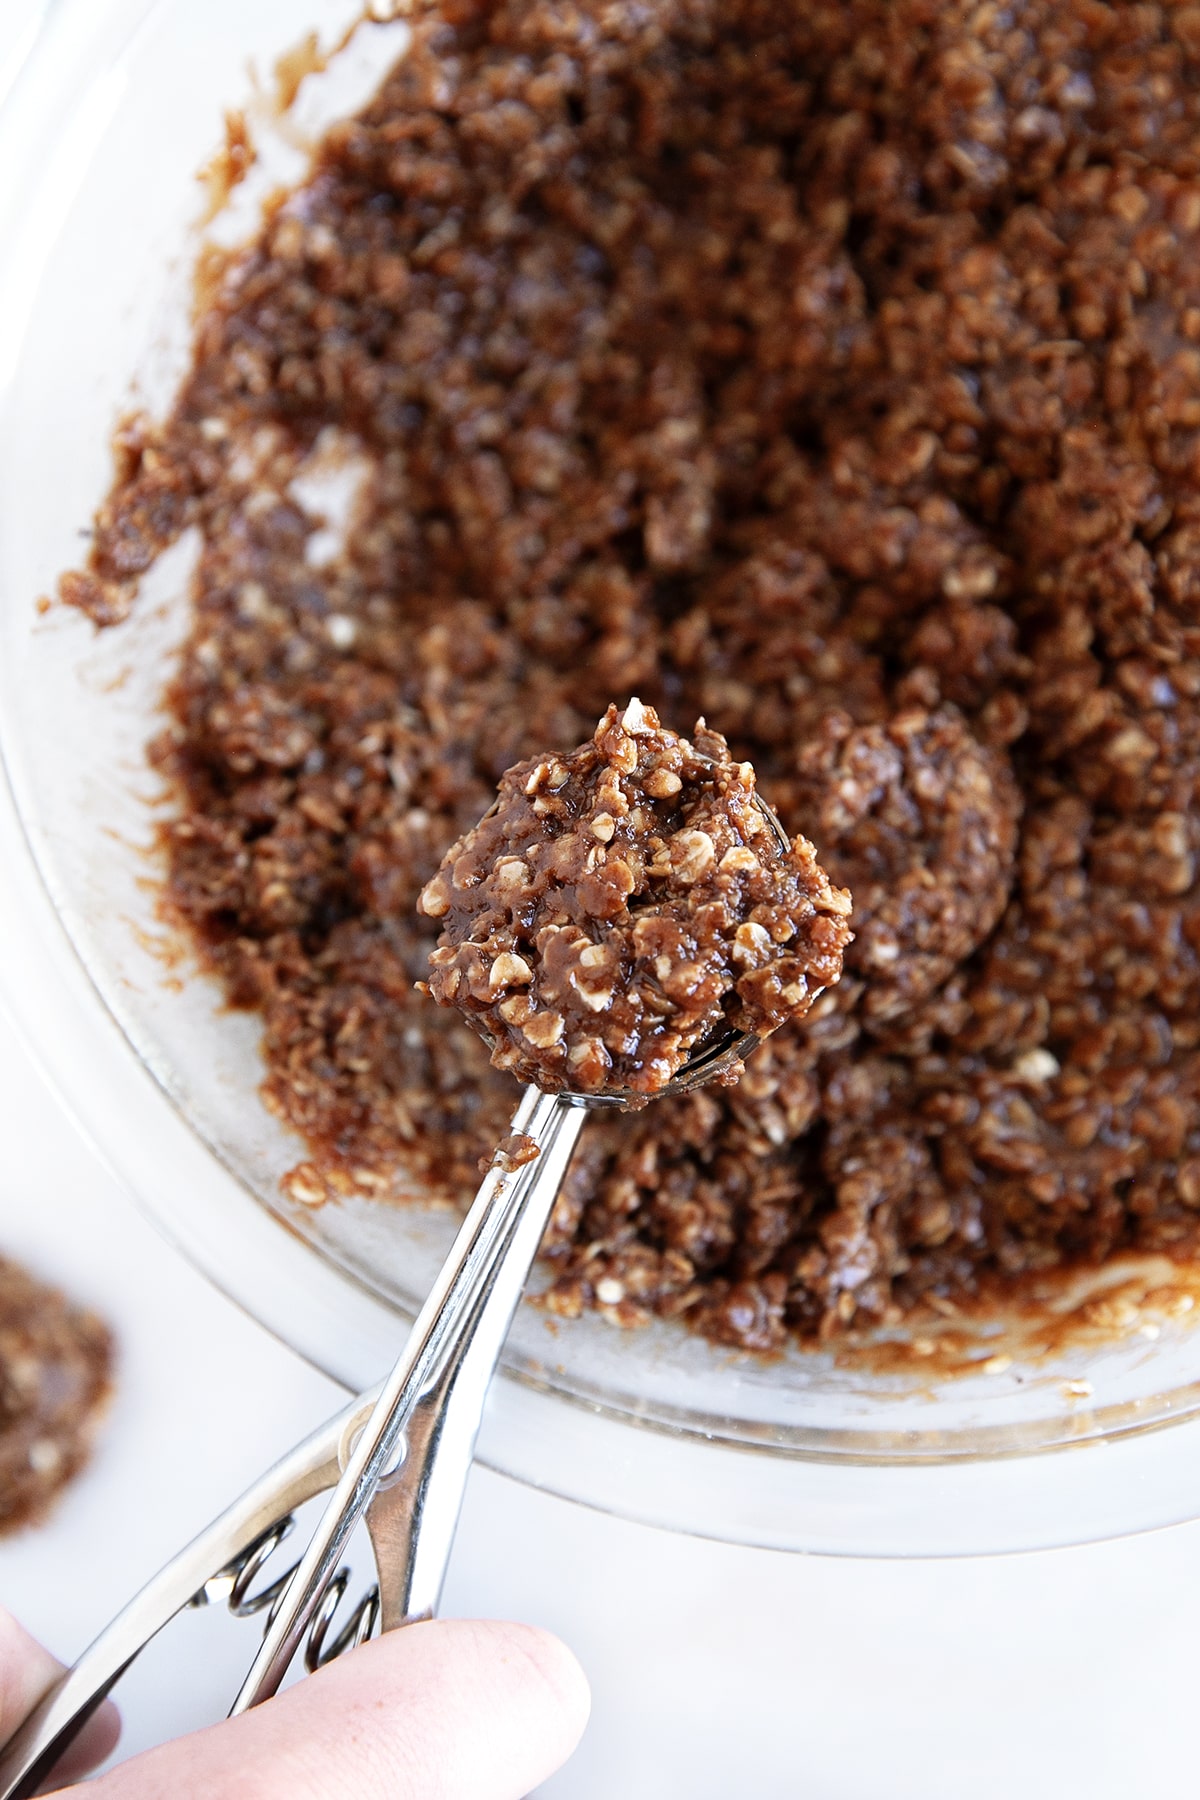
[716, 1671]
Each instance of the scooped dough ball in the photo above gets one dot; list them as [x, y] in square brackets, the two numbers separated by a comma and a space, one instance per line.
[625, 903]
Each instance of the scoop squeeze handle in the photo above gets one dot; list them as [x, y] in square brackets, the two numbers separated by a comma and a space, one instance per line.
[398, 1455]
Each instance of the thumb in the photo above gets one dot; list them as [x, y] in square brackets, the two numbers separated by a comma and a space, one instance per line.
[450, 1710]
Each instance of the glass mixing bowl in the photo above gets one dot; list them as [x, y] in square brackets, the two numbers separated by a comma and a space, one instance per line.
[118, 105]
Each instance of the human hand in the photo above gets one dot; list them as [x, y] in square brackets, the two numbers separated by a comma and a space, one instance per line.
[450, 1710]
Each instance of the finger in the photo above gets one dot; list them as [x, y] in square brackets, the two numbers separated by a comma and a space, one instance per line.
[450, 1710]
[26, 1671]
[95, 1743]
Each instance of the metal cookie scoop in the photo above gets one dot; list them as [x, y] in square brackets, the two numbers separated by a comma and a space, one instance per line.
[398, 1456]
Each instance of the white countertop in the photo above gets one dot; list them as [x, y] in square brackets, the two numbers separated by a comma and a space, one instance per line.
[716, 1670]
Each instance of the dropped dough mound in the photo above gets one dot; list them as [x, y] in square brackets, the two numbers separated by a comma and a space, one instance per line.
[919, 820]
[55, 1364]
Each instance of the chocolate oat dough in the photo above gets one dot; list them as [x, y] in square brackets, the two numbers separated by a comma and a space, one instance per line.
[829, 371]
[625, 903]
[55, 1368]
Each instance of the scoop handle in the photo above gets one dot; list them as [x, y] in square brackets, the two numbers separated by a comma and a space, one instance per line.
[444, 1370]
[401, 1453]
